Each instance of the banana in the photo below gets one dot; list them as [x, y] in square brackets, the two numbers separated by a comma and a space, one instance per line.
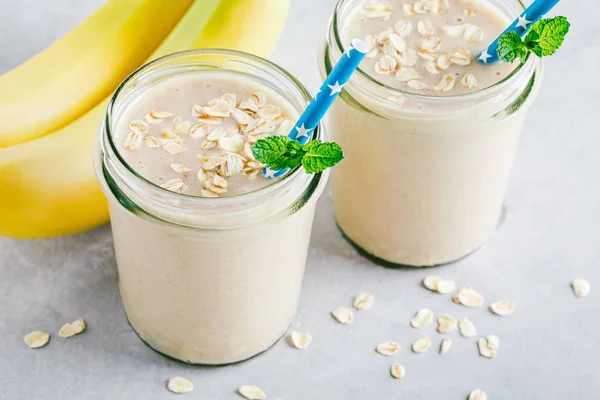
[68, 78]
[48, 186]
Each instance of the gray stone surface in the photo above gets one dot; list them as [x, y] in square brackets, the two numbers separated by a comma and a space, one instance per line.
[549, 348]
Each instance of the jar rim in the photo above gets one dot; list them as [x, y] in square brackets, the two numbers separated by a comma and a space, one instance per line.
[290, 192]
[108, 124]
[527, 67]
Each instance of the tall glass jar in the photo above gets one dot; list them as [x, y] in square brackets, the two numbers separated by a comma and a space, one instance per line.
[424, 177]
[207, 280]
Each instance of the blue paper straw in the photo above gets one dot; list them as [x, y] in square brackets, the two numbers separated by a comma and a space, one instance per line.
[536, 11]
[329, 91]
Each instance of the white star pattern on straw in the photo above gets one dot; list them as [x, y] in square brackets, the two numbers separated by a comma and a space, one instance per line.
[270, 174]
[523, 22]
[347, 52]
[316, 94]
[302, 131]
[484, 56]
[336, 88]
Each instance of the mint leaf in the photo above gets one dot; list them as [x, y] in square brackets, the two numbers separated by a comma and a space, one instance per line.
[511, 47]
[320, 156]
[547, 35]
[279, 152]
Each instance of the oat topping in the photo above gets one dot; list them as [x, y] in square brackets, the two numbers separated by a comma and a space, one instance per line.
[469, 81]
[180, 385]
[225, 129]
[388, 348]
[139, 126]
[131, 140]
[403, 27]
[174, 185]
[377, 9]
[398, 371]
[300, 340]
[36, 339]
[445, 37]
[251, 392]
[151, 141]
[180, 168]
[425, 28]
[157, 116]
[447, 83]
[72, 329]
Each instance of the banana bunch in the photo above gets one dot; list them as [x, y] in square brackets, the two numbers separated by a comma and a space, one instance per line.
[48, 185]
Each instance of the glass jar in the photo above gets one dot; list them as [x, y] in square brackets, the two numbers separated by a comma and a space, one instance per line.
[208, 280]
[424, 177]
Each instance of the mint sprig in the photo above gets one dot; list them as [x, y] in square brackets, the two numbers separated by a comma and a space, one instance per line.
[543, 39]
[281, 152]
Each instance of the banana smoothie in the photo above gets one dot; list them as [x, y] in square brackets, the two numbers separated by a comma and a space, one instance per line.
[429, 132]
[210, 253]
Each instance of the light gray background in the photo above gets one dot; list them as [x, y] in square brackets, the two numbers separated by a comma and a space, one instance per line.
[549, 348]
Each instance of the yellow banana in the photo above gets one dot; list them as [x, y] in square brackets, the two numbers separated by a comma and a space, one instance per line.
[48, 186]
[68, 78]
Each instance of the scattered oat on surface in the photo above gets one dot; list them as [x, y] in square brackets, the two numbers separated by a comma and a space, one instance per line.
[466, 328]
[300, 340]
[485, 350]
[468, 297]
[503, 307]
[398, 371]
[445, 345]
[72, 329]
[431, 282]
[446, 323]
[421, 345]
[446, 286]
[422, 318]
[581, 287]
[180, 385]
[477, 394]
[36, 339]
[343, 315]
[388, 348]
[364, 301]
[493, 342]
[251, 392]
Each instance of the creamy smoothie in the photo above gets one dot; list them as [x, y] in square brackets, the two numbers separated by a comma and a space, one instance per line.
[429, 133]
[192, 134]
[210, 253]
